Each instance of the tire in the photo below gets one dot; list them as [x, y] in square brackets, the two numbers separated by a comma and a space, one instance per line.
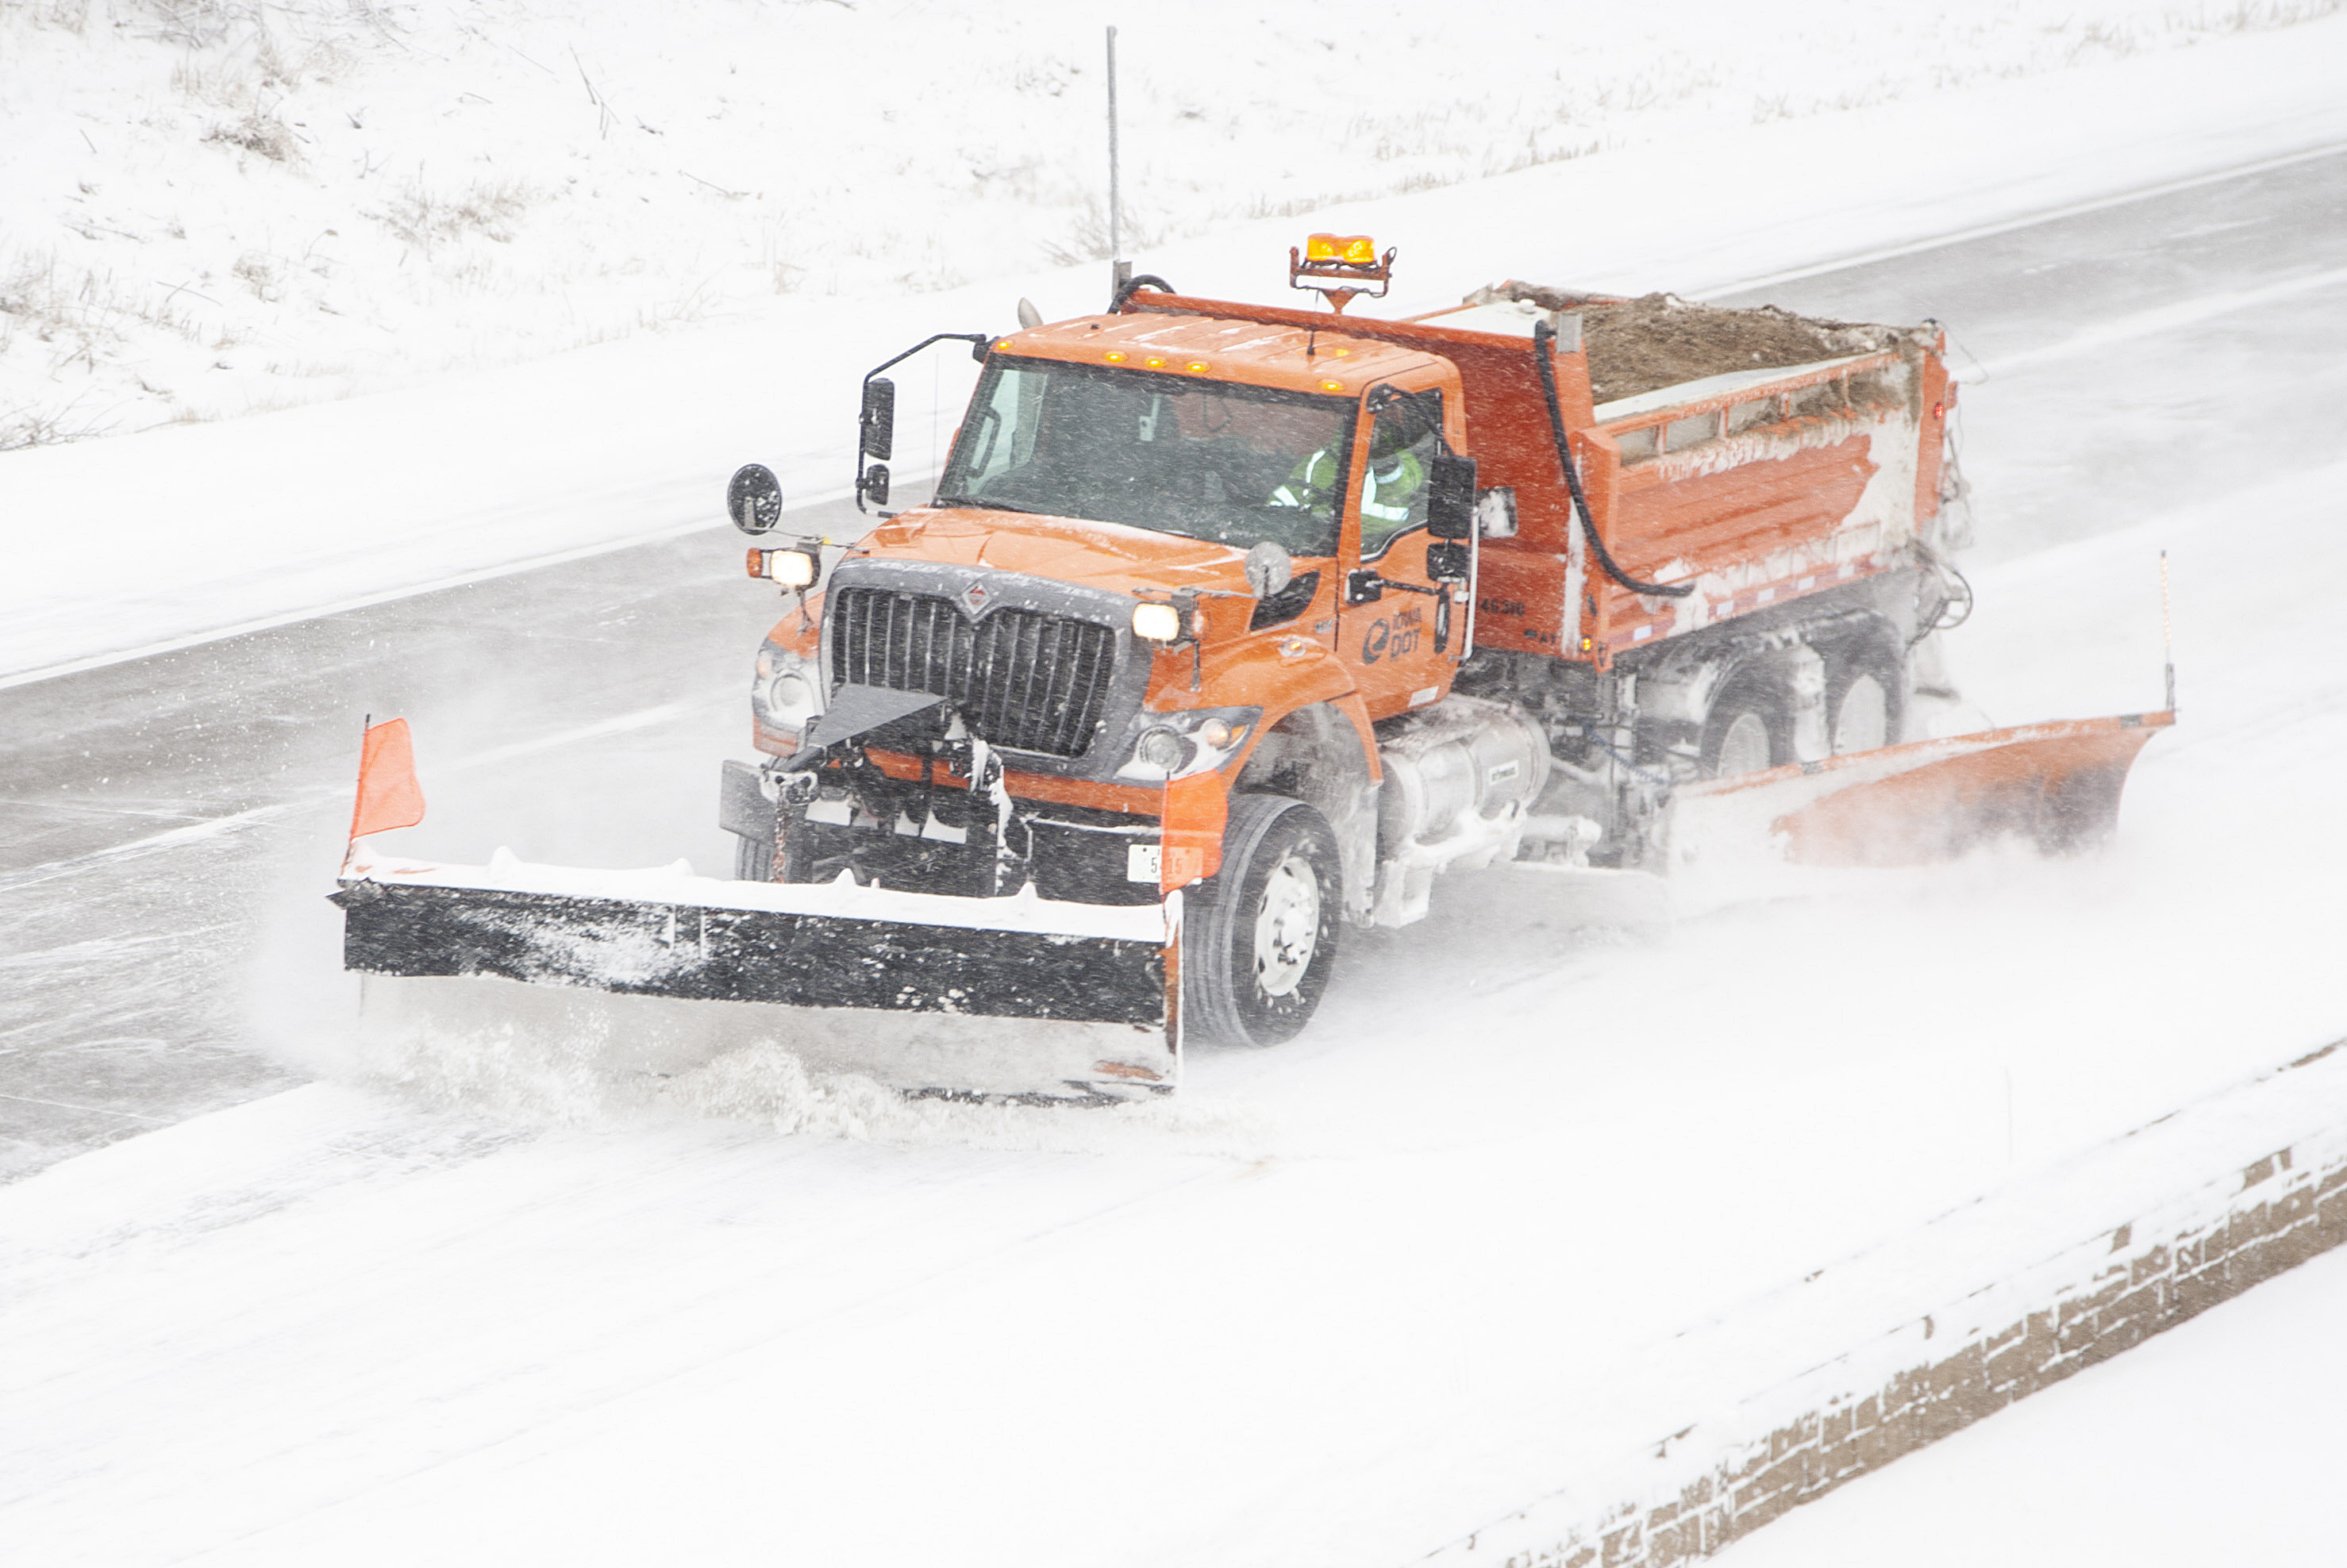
[753, 858]
[1750, 728]
[1866, 698]
[1259, 938]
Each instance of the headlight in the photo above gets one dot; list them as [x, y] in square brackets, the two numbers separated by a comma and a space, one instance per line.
[790, 568]
[1176, 745]
[1162, 749]
[788, 692]
[790, 700]
[1157, 622]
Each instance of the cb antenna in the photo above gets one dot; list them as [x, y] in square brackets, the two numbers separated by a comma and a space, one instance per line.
[1120, 270]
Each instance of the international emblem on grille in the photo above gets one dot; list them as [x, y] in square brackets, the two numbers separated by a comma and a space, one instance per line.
[974, 598]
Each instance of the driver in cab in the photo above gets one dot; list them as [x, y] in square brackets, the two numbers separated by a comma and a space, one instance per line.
[1393, 492]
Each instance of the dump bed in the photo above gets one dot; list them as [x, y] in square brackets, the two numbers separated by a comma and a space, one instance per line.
[1749, 457]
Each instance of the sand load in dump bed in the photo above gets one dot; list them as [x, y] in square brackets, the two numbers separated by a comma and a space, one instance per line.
[1641, 346]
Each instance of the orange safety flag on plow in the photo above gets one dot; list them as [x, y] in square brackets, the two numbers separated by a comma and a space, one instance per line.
[389, 796]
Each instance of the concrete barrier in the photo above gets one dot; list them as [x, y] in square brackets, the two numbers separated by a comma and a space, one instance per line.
[2196, 1208]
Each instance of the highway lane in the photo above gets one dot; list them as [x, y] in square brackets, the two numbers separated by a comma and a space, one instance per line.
[169, 825]
[2093, 431]
[164, 823]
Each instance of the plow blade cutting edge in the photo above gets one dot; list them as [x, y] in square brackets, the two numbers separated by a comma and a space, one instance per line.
[657, 972]
[2055, 785]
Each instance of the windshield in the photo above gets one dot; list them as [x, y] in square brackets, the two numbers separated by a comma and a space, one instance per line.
[1209, 459]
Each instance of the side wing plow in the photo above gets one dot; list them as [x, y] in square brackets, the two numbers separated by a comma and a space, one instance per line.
[2055, 785]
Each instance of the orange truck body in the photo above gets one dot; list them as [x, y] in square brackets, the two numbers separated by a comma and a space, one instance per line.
[1756, 490]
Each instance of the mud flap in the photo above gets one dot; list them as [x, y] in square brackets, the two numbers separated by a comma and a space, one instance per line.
[659, 971]
[2055, 785]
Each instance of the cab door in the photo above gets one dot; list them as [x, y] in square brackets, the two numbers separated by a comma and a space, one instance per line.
[1396, 625]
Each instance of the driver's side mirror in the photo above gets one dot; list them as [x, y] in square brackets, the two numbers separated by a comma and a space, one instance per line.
[878, 433]
[1450, 497]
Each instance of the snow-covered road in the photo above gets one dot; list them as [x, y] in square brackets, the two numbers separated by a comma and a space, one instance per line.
[1345, 1301]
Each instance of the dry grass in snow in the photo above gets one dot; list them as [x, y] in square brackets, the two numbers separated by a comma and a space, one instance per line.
[210, 207]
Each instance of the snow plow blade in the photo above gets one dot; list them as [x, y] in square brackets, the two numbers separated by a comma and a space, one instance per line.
[2055, 784]
[658, 972]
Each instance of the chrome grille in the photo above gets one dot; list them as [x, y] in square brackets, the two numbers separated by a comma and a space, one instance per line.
[1020, 678]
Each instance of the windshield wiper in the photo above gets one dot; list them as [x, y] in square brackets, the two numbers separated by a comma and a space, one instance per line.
[989, 505]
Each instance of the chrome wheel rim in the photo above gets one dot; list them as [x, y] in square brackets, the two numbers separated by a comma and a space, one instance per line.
[1745, 748]
[1287, 927]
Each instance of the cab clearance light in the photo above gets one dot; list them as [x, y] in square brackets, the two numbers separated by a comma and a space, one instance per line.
[1115, 356]
[1196, 367]
[1332, 386]
[1155, 362]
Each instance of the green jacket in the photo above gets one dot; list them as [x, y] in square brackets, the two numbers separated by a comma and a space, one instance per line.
[1392, 486]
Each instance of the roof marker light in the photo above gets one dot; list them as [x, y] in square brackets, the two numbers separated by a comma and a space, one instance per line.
[1115, 356]
[1195, 367]
[1332, 386]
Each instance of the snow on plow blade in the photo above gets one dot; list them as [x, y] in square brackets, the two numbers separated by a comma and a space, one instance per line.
[660, 971]
[2056, 784]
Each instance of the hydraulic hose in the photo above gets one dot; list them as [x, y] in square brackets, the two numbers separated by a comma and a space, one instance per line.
[1124, 290]
[1543, 335]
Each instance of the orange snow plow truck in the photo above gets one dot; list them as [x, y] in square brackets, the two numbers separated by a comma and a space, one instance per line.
[1231, 626]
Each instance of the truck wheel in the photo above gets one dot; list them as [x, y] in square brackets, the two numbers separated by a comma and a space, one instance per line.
[753, 858]
[1866, 689]
[1259, 938]
[1749, 730]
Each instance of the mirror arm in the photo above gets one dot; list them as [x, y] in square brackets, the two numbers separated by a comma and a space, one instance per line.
[1363, 585]
[977, 340]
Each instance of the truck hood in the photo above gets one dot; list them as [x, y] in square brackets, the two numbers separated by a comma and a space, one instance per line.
[1112, 556]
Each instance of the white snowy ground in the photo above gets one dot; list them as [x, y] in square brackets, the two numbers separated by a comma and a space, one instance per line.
[154, 540]
[1343, 1303]
[1347, 1299]
[212, 207]
[2216, 1442]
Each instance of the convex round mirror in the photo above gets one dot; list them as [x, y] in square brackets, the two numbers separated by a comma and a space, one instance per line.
[1269, 568]
[754, 498]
